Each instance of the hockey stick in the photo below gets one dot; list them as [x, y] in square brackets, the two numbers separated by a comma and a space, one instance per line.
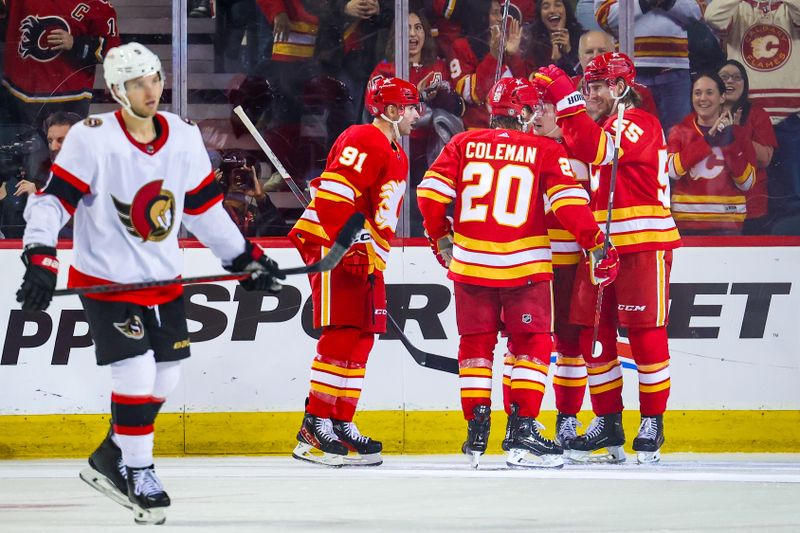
[429, 360]
[502, 50]
[611, 186]
[270, 154]
[346, 237]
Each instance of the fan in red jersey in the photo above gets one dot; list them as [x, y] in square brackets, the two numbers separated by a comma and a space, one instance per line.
[498, 255]
[643, 231]
[365, 172]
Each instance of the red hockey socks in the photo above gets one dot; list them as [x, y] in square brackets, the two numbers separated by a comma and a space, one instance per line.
[604, 372]
[650, 350]
[475, 355]
[569, 381]
[529, 373]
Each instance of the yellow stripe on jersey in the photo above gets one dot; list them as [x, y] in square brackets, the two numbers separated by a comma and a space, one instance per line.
[707, 199]
[334, 176]
[564, 202]
[332, 197]
[560, 235]
[641, 237]
[312, 228]
[601, 149]
[436, 196]
[478, 245]
[677, 164]
[709, 217]
[501, 273]
[434, 174]
[293, 50]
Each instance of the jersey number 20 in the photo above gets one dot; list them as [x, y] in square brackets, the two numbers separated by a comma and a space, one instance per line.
[503, 211]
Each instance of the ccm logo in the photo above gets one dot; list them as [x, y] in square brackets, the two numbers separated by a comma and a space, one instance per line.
[381, 312]
[621, 307]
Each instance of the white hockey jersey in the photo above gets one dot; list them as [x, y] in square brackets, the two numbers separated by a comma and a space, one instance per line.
[129, 200]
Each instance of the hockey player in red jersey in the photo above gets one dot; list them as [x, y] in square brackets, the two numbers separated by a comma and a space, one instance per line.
[498, 255]
[643, 231]
[365, 172]
[51, 52]
[130, 178]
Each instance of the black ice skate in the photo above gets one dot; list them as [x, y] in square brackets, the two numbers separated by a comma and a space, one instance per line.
[477, 434]
[147, 495]
[604, 432]
[317, 443]
[530, 449]
[365, 451]
[566, 432]
[106, 473]
[648, 442]
[511, 425]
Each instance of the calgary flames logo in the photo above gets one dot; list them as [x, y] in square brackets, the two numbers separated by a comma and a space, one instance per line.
[151, 215]
[388, 211]
[33, 31]
[766, 47]
[710, 167]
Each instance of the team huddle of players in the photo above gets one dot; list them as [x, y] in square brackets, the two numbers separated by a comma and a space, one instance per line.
[523, 246]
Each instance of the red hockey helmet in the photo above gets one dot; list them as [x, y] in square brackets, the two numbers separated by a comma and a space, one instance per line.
[609, 67]
[509, 95]
[385, 91]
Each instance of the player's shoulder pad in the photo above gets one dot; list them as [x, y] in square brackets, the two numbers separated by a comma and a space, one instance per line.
[93, 122]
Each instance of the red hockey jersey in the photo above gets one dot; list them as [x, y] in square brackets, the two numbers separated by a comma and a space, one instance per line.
[366, 173]
[566, 250]
[498, 180]
[761, 131]
[302, 33]
[34, 72]
[641, 218]
[709, 182]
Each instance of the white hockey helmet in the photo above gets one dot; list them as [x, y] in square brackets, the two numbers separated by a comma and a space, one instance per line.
[127, 62]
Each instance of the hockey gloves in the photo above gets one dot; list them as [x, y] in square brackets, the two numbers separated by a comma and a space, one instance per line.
[358, 260]
[603, 265]
[442, 249]
[265, 272]
[39, 281]
[559, 90]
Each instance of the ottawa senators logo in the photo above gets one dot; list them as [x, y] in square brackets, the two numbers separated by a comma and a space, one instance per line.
[131, 328]
[766, 47]
[151, 215]
[33, 32]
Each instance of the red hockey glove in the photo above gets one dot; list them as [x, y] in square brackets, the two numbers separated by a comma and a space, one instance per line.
[265, 274]
[39, 281]
[559, 90]
[603, 265]
[358, 261]
[442, 249]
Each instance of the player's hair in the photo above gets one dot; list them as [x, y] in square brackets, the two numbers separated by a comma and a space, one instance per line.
[61, 118]
[632, 99]
[506, 123]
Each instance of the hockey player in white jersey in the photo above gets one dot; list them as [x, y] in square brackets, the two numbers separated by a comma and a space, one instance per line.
[130, 178]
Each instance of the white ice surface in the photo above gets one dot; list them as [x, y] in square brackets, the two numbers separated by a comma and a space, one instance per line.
[687, 492]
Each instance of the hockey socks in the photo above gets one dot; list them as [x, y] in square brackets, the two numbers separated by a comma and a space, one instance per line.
[651, 352]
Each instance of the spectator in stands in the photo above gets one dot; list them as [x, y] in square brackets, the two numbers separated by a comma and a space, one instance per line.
[473, 63]
[711, 160]
[765, 38]
[553, 37]
[661, 49]
[584, 12]
[199, 8]
[761, 133]
[245, 200]
[444, 106]
[51, 51]
[294, 34]
[240, 36]
[594, 43]
[351, 40]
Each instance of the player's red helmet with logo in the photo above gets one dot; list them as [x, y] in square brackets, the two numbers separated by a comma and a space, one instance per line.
[385, 91]
[609, 67]
[509, 96]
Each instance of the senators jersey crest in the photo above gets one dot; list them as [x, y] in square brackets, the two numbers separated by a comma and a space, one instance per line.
[151, 215]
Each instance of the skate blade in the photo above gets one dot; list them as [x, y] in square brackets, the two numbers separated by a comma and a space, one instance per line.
[155, 516]
[104, 486]
[648, 458]
[306, 452]
[371, 459]
[475, 459]
[518, 458]
[614, 455]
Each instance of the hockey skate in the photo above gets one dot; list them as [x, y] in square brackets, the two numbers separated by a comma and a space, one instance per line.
[147, 495]
[511, 425]
[604, 432]
[566, 433]
[106, 473]
[477, 434]
[317, 443]
[530, 449]
[648, 442]
[365, 451]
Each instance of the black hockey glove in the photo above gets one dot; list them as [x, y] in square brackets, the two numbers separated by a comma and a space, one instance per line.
[39, 281]
[265, 271]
